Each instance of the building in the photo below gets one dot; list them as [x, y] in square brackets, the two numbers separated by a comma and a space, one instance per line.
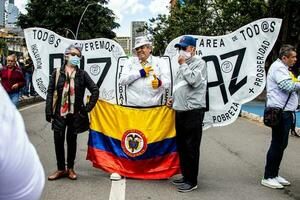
[2, 13]
[12, 15]
[9, 14]
[125, 43]
[137, 29]
[14, 41]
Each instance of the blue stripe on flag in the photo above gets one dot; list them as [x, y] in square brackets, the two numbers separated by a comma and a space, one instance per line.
[102, 142]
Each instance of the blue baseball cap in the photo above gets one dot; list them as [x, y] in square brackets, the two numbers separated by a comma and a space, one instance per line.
[186, 41]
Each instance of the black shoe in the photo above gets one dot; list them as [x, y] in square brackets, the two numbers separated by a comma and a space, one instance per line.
[294, 133]
[186, 187]
[178, 182]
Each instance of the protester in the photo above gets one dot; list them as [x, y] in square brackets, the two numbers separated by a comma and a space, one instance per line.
[70, 112]
[294, 72]
[281, 90]
[28, 70]
[12, 79]
[189, 102]
[146, 76]
[21, 172]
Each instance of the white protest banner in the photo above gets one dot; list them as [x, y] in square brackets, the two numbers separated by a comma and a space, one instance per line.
[235, 64]
[100, 57]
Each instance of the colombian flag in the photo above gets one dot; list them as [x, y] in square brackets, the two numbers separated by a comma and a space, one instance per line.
[136, 143]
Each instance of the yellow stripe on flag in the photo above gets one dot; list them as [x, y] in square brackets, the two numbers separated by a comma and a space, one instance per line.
[113, 120]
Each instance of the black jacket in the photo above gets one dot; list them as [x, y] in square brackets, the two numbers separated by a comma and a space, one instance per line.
[79, 118]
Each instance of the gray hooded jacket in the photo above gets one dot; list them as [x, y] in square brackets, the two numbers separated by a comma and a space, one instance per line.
[190, 85]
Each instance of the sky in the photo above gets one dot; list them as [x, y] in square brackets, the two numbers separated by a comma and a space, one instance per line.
[127, 11]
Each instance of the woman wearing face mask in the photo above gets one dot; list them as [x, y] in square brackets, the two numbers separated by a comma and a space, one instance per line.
[70, 112]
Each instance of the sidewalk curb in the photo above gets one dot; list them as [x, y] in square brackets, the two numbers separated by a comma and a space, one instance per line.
[256, 118]
[252, 116]
[30, 100]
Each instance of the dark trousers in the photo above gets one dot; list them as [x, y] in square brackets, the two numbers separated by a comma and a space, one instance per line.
[280, 136]
[59, 141]
[188, 138]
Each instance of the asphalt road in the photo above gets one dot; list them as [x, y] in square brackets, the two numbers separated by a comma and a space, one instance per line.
[231, 166]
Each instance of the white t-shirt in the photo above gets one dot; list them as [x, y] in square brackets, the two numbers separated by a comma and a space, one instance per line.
[21, 172]
[275, 96]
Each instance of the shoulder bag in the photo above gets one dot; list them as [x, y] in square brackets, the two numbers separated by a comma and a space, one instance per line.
[55, 96]
[273, 115]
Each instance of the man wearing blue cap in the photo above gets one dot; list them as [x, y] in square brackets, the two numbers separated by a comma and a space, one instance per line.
[189, 102]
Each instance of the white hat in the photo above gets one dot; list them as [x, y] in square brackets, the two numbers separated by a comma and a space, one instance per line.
[140, 41]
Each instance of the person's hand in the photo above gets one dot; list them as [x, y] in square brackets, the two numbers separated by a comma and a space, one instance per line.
[15, 86]
[169, 102]
[181, 60]
[156, 83]
[49, 118]
[145, 71]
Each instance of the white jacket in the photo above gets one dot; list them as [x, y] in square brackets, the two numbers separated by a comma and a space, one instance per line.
[139, 91]
[21, 172]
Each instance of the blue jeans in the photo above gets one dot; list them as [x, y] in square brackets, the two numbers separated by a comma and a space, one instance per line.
[28, 78]
[280, 137]
[14, 97]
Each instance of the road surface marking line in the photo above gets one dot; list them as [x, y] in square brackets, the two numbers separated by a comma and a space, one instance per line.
[117, 190]
[22, 109]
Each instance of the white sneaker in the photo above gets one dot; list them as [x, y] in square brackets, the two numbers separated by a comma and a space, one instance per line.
[115, 176]
[271, 183]
[282, 181]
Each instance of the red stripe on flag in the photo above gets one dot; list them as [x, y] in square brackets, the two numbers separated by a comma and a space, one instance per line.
[162, 167]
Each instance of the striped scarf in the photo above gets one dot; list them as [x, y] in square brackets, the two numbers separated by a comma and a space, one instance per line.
[68, 95]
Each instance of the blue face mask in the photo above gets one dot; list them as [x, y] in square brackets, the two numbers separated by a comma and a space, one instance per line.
[74, 60]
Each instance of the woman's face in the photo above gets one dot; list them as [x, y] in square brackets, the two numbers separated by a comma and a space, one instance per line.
[73, 52]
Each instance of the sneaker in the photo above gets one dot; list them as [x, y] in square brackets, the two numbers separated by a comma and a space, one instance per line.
[115, 176]
[271, 183]
[294, 133]
[282, 181]
[186, 187]
[178, 182]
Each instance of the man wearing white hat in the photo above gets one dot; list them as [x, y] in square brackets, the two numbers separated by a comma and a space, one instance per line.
[145, 76]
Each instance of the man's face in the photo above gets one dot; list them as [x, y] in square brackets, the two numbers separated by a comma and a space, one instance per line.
[143, 52]
[11, 61]
[291, 59]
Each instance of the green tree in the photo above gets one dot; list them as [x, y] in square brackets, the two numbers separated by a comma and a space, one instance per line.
[193, 19]
[206, 17]
[60, 15]
[230, 15]
[289, 11]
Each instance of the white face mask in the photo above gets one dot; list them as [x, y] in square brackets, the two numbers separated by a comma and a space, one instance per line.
[185, 54]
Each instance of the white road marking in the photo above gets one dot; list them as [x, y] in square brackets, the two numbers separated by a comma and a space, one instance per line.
[26, 108]
[117, 190]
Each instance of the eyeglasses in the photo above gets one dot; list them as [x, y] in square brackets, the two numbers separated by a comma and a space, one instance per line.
[10, 60]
